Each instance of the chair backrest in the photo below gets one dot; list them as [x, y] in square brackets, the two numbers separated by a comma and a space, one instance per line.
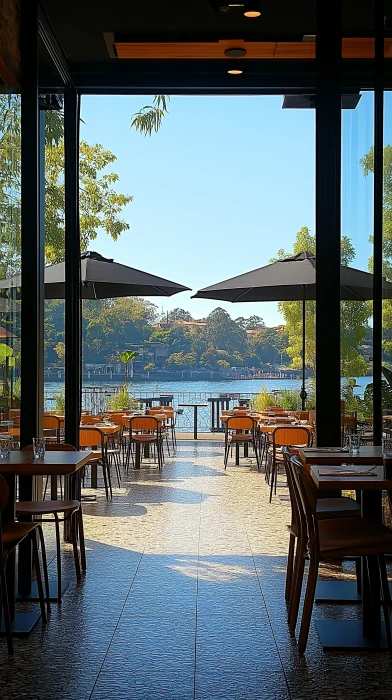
[147, 423]
[307, 502]
[240, 408]
[53, 447]
[289, 452]
[274, 409]
[298, 436]
[241, 423]
[90, 436]
[51, 422]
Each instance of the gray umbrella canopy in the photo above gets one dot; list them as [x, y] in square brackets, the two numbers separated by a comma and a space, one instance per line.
[291, 279]
[102, 278]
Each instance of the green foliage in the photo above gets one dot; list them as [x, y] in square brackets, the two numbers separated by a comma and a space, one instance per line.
[122, 400]
[179, 315]
[262, 400]
[149, 118]
[354, 318]
[367, 404]
[223, 333]
[59, 401]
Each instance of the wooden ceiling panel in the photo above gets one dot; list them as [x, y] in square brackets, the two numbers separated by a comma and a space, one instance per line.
[192, 50]
[351, 48]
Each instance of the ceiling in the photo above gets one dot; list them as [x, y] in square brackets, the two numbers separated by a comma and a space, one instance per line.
[158, 44]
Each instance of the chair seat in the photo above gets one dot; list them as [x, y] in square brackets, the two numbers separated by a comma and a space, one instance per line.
[14, 532]
[353, 536]
[241, 437]
[340, 507]
[144, 438]
[45, 507]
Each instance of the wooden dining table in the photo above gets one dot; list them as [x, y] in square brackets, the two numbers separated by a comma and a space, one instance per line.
[25, 467]
[367, 454]
[368, 632]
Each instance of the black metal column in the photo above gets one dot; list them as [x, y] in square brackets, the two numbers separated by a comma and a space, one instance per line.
[32, 240]
[378, 218]
[72, 269]
[32, 255]
[328, 176]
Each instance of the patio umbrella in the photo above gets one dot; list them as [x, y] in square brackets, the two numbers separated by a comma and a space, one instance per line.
[102, 278]
[292, 279]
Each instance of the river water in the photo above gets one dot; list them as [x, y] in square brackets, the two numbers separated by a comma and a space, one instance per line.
[237, 386]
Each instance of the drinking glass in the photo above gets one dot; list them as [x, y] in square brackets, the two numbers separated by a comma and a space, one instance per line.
[5, 446]
[39, 447]
[387, 447]
[354, 442]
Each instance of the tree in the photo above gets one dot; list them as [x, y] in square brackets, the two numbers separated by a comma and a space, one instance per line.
[223, 333]
[150, 117]
[101, 205]
[354, 317]
[367, 163]
[179, 315]
[250, 324]
[127, 356]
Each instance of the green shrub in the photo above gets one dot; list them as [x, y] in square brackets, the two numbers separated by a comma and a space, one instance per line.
[59, 402]
[262, 400]
[122, 400]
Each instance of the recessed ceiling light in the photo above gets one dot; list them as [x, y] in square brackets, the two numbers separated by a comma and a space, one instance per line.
[234, 71]
[252, 8]
[235, 53]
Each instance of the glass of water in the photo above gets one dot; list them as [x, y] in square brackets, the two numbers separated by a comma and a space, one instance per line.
[5, 446]
[39, 447]
[354, 443]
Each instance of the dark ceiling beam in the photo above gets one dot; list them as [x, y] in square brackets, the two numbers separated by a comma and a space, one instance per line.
[181, 77]
[53, 48]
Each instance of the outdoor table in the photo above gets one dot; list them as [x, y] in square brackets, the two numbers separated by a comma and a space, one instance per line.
[23, 465]
[355, 634]
[195, 407]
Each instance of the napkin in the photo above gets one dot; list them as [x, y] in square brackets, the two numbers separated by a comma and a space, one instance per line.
[345, 472]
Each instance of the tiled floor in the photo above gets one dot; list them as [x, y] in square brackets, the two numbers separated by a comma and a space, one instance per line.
[183, 598]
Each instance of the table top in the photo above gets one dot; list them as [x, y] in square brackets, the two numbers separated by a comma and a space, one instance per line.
[271, 428]
[368, 454]
[350, 481]
[106, 429]
[194, 404]
[55, 462]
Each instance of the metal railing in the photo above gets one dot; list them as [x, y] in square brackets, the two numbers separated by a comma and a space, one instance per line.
[96, 401]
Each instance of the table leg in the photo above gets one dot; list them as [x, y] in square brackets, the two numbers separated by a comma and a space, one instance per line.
[147, 451]
[195, 422]
[25, 552]
[94, 476]
[246, 449]
[53, 487]
[237, 454]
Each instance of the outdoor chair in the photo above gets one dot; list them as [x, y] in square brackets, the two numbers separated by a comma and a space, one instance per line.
[171, 418]
[349, 426]
[146, 432]
[289, 435]
[61, 510]
[334, 539]
[326, 508]
[94, 438]
[11, 535]
[241, 431]
[51, 428]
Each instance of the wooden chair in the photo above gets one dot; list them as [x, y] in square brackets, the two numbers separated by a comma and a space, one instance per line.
[94, 438]
[61, 510]
[145, 430]
[11, 535]
[241, 430]
[293, 435]
[340, 507]
[52, 428]
[334, 539]
[171, 421]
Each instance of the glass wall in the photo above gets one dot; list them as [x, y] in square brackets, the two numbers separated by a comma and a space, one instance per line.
[10, 258]
[387, 263]
[356, 252]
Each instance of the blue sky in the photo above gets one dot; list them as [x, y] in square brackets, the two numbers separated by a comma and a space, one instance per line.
[222, 187]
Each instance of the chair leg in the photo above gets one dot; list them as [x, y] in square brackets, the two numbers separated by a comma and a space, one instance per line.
[58, 557]
[296, 589]
[290, 565]
[5, 606]
[308, 605]
[82, 544]
[272, 479]
[75, 546]
[45, 567]
[38, 575]
[385, 598]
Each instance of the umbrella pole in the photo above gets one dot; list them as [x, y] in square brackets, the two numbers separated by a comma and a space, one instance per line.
[303, 393]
